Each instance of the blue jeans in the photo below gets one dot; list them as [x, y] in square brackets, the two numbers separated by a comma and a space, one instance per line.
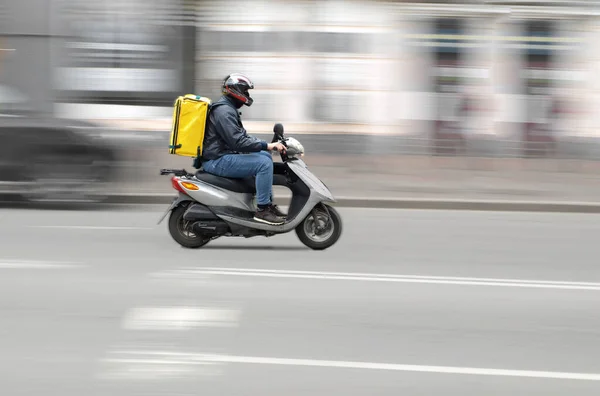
[240, 166]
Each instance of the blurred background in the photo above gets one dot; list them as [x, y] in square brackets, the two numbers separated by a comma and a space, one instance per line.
[468, 99]
[461, 99]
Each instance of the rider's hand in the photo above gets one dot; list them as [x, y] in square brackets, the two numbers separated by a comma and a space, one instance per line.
[276, 146]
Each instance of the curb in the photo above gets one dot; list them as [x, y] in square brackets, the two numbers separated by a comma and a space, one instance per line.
[401, 203]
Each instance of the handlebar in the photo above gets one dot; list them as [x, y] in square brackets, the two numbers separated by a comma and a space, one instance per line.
[278, 139]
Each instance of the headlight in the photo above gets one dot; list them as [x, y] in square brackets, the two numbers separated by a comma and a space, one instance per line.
[294, 147]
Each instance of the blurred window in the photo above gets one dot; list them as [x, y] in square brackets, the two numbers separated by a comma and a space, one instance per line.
[539, 51]
[336, 107]
[447, 52]
[269, 41]
[538, 58]
[348, 43]
[287, 41]
[121, 52]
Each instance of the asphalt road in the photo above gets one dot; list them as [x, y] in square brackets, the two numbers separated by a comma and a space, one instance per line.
[408, 303]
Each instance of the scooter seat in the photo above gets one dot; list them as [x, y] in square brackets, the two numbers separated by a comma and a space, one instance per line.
[244, 186]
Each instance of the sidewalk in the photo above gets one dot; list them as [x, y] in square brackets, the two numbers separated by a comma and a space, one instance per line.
[409, 177]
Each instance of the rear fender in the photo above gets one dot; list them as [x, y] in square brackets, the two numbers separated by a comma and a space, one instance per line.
[180, 199]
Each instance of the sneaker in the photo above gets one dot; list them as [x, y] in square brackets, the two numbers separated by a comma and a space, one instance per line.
[277, 211]
[267, 216]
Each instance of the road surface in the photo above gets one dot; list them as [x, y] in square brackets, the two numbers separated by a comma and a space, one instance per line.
[409, 302]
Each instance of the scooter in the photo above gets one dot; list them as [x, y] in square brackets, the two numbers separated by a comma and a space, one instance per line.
[208, 207]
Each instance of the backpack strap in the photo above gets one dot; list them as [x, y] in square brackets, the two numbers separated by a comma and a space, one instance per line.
[198, 160]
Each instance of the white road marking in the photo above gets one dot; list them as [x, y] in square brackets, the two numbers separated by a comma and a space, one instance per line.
[159, 361]
[212, 358]
[145, 372]
[76, 227]
[29, 264]
[390, 278]
[137, 365]
[179, 318]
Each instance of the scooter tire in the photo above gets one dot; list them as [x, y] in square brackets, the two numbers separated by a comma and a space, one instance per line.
[311, 242]
[177, 231]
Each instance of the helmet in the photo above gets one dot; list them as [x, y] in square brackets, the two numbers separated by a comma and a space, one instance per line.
[236, 86]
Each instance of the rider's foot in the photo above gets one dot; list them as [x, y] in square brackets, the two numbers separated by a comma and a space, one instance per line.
[268, 216]
[277, 211]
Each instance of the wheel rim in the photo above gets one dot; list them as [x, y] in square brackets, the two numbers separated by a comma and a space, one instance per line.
[184, 228]
[319, 229]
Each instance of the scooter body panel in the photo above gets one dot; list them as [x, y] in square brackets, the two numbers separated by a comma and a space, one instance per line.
[316, 186]
[318, 193]
[210, 195]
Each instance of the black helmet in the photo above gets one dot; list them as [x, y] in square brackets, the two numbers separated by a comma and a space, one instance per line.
[236, 86]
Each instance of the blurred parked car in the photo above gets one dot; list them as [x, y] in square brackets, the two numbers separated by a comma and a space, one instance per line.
[47, 159]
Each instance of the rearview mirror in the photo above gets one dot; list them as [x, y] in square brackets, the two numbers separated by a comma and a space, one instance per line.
[277, 132]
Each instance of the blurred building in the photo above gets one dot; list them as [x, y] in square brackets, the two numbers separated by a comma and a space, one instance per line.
[455, 72]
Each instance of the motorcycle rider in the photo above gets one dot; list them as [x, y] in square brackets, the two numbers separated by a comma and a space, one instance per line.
[230, 152]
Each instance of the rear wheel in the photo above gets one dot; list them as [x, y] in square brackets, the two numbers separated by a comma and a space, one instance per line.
[321, 229]
[181, 230]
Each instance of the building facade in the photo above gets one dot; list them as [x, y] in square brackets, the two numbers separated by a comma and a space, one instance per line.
[373, 67]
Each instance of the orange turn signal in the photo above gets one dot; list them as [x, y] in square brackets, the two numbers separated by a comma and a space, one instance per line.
[189, 186]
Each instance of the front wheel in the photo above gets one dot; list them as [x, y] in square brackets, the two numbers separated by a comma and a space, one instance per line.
[181, 230]
[321, 228]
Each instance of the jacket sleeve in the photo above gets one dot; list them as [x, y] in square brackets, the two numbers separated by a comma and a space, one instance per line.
[234, 135]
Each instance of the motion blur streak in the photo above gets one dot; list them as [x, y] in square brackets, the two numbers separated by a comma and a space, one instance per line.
[392, 278]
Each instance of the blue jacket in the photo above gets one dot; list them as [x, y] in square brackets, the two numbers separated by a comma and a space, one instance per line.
[225, 133]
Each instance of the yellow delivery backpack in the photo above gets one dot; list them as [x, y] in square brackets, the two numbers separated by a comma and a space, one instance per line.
[189, 123]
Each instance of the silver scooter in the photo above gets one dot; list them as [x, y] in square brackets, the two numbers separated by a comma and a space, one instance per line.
[209, 207]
